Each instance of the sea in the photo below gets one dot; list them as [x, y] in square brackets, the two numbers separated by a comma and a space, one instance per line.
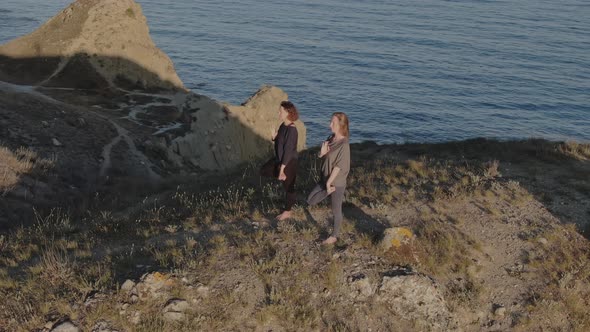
[404, 71]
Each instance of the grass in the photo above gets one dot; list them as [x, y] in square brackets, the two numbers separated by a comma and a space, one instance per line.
[16, 164]
[565, 261]
[210, 233]
[130, 13]
[444, 248]
[389, 181]
[576, 150]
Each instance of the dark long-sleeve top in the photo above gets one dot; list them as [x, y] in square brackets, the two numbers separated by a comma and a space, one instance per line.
[286, 144]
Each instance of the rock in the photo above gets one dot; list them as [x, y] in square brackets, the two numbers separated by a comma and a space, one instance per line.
[45, 124]
[500, 311]
[154, 285]
[66, 327]
[103, 326]
[55, 142]
[175, 309]
[543, 241]
[128, 285]
[173, 316]
[416, 298]
[135, 318]
[179, 305]
[203, 290]
[396, 237]
[90, 44]
[245, 129]
[94, 299]
[361, 286]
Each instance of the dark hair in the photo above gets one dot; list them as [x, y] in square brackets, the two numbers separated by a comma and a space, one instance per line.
[291, 109]
[343, 122]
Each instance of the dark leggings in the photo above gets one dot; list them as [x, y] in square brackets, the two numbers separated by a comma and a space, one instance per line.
[319, 193]
[272, 169]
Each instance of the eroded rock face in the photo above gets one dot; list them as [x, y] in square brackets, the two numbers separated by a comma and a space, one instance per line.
[90, 44]
[223, 136]
[104, 48]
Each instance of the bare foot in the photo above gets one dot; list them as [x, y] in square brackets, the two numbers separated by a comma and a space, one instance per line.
[284, 215]
[330, 240]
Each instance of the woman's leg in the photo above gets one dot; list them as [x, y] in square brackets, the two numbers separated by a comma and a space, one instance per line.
[289, 184]
[337, 198]
[317, 194]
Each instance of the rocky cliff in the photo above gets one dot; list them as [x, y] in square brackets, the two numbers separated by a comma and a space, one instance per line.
[90, 91]
[90, 44]
[102, 53]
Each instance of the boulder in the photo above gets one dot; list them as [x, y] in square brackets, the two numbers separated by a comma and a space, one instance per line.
[65, 327]
[223, 136]
[128, 286]
[396, 237]
[361, 287]
[175, 310]
[417, 298]
[155, 285]
[90, 44]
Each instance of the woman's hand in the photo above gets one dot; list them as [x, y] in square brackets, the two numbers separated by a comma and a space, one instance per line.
[282, 175]
[330, 188]
[325, 149]
[273, 134]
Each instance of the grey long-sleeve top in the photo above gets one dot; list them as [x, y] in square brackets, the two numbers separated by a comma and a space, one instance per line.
[338, 156]
[286, 144]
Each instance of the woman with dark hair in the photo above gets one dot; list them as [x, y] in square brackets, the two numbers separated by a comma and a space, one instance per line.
[284, 164]
[335, 167]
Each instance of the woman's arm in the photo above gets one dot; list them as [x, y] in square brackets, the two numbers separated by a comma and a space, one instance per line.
[324, 150]
[290, 145]
[289, 150]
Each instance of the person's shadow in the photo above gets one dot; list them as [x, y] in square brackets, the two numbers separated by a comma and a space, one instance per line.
[362, 222]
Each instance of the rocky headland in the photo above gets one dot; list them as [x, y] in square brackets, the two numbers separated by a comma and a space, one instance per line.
[91, 92]
[129, 203]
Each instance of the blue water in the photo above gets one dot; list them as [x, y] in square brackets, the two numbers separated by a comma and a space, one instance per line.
[419, 70]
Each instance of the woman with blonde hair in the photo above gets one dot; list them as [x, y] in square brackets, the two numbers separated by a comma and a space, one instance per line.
[284, 164]
[335, 152]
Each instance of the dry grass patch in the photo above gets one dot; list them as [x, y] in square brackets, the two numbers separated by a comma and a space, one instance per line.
[387, 181]
[563, 258]
[576, 150]
[443, 248]
[13, 165]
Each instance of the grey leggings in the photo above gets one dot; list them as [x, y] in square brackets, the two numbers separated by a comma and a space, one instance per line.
[319, 193]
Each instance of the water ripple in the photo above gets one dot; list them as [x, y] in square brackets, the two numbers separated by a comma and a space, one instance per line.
[419, 71]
